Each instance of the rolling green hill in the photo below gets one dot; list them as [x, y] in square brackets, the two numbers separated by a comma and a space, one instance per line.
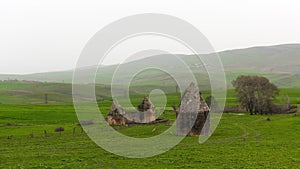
[61, 93]
[280, 63]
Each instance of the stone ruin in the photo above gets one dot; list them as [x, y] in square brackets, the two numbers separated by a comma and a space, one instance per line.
[115, 115]
[145, 114]
[193, 116]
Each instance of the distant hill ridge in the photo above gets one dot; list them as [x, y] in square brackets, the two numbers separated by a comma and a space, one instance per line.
[280, 63]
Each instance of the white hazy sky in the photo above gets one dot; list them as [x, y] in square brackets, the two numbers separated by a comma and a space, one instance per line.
[39, 36]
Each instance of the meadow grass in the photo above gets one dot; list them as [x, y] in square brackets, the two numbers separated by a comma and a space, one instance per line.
[240, 140]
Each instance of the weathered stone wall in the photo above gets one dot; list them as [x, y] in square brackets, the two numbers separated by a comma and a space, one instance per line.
[119, 116]
[141, 117]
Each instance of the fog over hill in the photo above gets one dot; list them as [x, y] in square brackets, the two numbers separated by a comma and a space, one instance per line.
[280, 63]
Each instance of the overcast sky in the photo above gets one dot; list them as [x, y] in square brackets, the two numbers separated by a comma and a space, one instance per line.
[39, 36]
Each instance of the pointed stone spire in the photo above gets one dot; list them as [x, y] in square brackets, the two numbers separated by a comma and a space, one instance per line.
[193, 117]
[189, 108]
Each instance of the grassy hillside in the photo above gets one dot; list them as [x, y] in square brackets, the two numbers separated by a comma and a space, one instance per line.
[25, 93]
[272, 59]
[59, 93]
[279, 63]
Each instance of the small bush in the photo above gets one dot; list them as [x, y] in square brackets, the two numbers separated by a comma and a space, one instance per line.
[59, 129]
[10, 124]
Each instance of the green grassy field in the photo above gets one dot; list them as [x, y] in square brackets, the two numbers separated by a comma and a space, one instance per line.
[240, 141]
